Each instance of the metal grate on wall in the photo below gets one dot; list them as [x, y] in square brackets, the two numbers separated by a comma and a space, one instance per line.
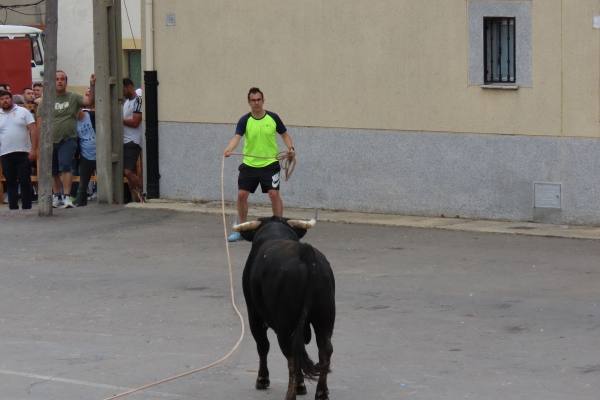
[499, 49]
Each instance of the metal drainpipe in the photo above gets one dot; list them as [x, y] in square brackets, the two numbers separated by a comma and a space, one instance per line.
[151, 106]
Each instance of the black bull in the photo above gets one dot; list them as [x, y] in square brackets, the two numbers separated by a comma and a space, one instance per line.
[289, 286]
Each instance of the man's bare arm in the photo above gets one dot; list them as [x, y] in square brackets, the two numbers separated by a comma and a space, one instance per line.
[89, 101]
[34, 137]
[134, 121]
[233, 143]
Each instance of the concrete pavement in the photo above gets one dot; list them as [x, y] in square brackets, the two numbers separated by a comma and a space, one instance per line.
[98, 299]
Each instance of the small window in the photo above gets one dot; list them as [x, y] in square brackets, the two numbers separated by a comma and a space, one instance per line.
[36, 53]
[499, 50]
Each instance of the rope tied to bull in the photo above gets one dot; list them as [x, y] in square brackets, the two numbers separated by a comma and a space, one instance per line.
[286, 158]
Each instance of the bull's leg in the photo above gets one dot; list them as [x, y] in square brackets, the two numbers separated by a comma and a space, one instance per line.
[291, 392]
[285, 344]
[325, 351]
[300, 386]
[259, 331]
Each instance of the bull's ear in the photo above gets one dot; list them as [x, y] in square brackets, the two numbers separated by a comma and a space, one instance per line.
[300, 232]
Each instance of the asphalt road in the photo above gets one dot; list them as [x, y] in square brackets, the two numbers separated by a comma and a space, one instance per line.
[99, 299]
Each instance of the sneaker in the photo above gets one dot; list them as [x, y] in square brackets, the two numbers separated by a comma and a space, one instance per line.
[68, 203]
[56, 200]
[234, 237]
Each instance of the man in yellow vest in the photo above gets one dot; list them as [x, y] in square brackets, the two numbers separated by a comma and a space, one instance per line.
[260, 165]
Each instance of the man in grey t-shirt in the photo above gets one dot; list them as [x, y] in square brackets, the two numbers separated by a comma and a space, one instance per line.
[64, 136]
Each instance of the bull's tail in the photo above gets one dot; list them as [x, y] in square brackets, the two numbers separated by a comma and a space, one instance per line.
[303, 361]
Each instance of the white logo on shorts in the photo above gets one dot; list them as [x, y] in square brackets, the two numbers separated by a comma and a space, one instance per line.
[275, 179]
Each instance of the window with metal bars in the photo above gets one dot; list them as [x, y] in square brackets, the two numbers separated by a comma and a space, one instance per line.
[499, 50]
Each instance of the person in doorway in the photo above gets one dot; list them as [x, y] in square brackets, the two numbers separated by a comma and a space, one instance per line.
[132, 137]
[18, 141]
[260, 165]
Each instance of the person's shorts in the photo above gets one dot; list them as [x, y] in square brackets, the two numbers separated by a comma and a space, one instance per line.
[62, 156]
[131, 152]
[268, 177]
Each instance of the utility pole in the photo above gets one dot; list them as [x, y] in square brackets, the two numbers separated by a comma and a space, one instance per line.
[48, 100]
[109, 122]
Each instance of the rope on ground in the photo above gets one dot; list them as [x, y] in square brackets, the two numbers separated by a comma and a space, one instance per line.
[237, 311]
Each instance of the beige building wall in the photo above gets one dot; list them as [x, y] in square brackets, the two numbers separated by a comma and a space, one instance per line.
[390, 64]
[581, 68]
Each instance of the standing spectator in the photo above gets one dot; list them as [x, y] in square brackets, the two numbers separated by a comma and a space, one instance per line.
[18, 139]
[38, 90]
[64, 136]
[132, 137]
[30, 104]
[259, 165]
[29, 99]
[87, 154]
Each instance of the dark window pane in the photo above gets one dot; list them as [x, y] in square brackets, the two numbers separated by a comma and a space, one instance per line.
[499, 50]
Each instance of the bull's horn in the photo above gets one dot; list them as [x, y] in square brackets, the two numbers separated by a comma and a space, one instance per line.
[246, 226]
[302, 224]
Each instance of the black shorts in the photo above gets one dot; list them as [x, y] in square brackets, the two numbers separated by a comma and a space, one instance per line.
[131, 152]
[268, 177]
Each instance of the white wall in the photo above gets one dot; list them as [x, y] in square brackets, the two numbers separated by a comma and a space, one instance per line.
[134, 7]
[76, 40]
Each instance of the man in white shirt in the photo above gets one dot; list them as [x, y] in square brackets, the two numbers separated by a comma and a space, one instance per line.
[18, 141]
[132, 137]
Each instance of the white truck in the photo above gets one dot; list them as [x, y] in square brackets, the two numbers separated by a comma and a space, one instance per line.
[35, 37]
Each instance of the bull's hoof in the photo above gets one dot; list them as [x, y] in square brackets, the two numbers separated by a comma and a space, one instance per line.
[301, 389]
[262, 383]
[322, 395]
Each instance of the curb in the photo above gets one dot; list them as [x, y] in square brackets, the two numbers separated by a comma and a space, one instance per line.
[453, 224]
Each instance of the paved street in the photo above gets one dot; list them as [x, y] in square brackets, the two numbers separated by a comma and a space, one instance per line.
[99, 299]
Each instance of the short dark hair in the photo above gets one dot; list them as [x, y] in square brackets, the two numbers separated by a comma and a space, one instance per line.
[5, 93]
[254, 90]
[26, 88]
[63, 72]
[38, 84]
[128, 82]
